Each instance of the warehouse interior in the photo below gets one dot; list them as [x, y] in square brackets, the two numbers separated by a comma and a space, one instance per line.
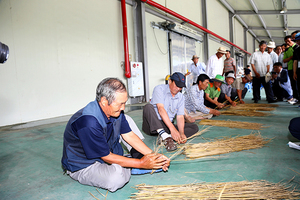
[60, 50]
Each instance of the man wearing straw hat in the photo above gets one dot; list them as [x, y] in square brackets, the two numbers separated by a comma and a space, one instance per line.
[194, 100]
[215, 63]
[196, 68]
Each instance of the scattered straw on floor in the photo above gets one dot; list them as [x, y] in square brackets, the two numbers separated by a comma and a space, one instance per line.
[228, 190]
[248, 113]
[227, 145]
[232, 124]
[238, 107]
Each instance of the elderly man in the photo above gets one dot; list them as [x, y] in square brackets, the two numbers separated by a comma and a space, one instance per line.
[238, 87]
[213, 91]
[226, 89]
[196, 68]
[92, 153]
[229, 64]
[260, 63]
[158, 116]
[215, 63]
[194, 100]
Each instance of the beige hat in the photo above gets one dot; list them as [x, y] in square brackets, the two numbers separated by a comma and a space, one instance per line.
[195, 56]
[271, 45]
[222, 50]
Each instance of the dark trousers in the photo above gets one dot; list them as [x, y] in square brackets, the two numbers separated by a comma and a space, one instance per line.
[294, 127]
[256, 88]
[293, 84]
[279, 92]
[151, 123]
[234, 93]
[298, 80]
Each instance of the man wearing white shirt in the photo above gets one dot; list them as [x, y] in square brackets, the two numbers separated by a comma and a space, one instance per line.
[260, 63]
[196, 68]
[215, 63]
[274, 56]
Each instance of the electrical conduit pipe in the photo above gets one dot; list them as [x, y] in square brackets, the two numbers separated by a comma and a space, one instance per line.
[152, 3]
[125, 39]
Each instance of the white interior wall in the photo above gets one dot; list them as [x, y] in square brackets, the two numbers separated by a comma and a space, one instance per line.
[238, 35]
[59, 51]
[249, 42]
[157, 48]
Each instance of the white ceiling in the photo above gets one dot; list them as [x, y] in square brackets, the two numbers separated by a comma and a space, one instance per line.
[263, 19]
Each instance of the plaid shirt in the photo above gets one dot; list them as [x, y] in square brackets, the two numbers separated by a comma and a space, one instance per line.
[194, 100]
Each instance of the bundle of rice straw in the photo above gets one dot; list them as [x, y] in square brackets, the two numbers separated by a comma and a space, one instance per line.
[229, 190]
[248, 113]
[222, 146]
[258, 105]
[238, 107]
[231, 124]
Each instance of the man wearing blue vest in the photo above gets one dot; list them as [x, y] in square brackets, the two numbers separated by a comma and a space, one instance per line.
[92, 154]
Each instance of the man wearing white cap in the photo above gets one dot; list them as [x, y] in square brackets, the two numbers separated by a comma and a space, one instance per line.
[274, 56]
[215, 63]
[196, 68]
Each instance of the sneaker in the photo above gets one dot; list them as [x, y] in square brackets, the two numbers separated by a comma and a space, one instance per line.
[292, 101]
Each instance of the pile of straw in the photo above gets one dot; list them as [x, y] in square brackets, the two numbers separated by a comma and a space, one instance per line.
[222, 146]
[231, 124]
[230, 190]
[248, 113]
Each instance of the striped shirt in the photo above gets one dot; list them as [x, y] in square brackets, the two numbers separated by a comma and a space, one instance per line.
[228, 64]
[194, 100]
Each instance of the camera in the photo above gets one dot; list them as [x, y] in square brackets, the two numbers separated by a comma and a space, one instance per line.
[4, 52]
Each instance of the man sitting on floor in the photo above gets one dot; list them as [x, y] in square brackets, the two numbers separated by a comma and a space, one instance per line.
[194, 100]
[158, 115]
[92, 154]
[238, 87]
[226, 89]
[282, 84]
[212, 93]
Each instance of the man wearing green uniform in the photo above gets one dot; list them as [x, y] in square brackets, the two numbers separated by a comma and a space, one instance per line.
[213, 92]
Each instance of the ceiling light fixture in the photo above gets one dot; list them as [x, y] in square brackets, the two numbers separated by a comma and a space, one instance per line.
[284, 9]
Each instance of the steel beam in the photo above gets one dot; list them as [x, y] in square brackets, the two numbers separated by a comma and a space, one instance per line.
[267, 12]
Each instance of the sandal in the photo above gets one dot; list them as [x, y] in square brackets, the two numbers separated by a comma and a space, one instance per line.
[170, 144]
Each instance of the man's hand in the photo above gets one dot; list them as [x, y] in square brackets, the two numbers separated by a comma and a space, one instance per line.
[295, 76]
[220, 105]
[233, 103]
[242, 102]
[215, 112]
[175, 135]
[154, 161]
[257, 75]
[183, 139]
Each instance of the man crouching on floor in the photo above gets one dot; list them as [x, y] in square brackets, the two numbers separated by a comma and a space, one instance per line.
[92, 154]
[194, 101]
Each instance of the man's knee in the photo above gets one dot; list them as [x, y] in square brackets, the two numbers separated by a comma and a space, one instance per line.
[118, 179]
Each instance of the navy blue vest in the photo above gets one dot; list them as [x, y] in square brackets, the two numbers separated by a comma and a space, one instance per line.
[74, 157]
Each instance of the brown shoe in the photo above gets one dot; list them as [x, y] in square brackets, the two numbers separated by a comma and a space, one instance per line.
[170, 144]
